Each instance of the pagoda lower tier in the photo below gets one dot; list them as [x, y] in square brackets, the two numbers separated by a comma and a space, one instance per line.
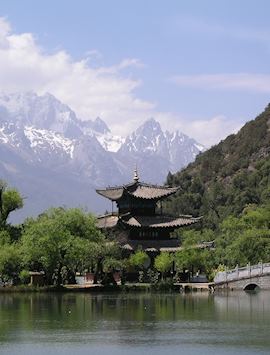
[149, 233]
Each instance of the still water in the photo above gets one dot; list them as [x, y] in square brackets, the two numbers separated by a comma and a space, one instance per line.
[234, 323]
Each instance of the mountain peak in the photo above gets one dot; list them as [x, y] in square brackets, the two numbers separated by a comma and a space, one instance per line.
[40, 133]
[149, 140]
[148, 130]
[100, 126]
[41, 111]
[151, 123]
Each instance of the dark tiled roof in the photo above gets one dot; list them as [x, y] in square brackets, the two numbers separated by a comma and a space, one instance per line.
[152, 192]
[158, 221]
[138, 190]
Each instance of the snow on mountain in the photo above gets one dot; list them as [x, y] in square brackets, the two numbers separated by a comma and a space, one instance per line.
[101, 131]
[110, 142]
[43, 145]
[51, 130]
[36, 146]
[48, 140]
[149, 140]
[43, 111]
[182, 149]
[48, 113]
[12, 134]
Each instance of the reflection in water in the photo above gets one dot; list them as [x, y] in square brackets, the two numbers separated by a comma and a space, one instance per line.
[114, 323]
[245, 307]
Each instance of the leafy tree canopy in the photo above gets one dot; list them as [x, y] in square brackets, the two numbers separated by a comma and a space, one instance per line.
[163, 262]
[138, 259]
[10, 262]
[228, 177]
[61, 238]
[10, 200]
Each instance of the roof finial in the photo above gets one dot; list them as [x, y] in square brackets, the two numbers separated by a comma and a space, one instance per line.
[136, 177]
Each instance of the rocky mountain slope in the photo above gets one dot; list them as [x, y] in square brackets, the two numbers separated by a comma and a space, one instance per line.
[227, 178]
[55, 158]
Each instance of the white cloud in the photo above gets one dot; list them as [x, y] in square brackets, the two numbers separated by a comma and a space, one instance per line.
[207, 131]
[238, 81]
[5, 29]
[211, 131]
[91, 91]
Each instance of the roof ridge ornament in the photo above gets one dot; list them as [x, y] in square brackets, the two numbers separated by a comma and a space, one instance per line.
[136, 176]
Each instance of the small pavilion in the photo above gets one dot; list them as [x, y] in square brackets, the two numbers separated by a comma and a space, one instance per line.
[140, 222]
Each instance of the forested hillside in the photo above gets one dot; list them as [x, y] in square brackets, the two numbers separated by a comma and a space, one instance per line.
[228, 177]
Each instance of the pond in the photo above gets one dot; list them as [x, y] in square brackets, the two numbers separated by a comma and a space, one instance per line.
[84, 323]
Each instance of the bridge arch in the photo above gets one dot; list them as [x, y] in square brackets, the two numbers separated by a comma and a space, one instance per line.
[251, 286]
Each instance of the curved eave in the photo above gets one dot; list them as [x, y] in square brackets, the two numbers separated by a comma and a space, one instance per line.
[112, 194]
[137, 222]
[107, 221]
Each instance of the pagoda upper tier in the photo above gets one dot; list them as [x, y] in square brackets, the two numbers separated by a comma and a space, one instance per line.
[137, 190]
[137, 197]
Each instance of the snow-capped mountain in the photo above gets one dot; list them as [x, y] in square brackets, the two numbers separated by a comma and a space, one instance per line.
[45, 112]
[148, 138]
[54, 158]
[109, 142]
[175, 150]
[36, 145]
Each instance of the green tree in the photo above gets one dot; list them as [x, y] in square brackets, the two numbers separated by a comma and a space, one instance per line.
[4, 237]
[61, 238]
[10, 200]
[227, 177]
[10, 262]
[251, 247]
[163, 262]
[24, 277]
[138, 259]
[108, 259]
[190, 259]
[244, 239]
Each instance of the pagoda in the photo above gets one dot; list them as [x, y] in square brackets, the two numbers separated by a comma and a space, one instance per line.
[140, 222]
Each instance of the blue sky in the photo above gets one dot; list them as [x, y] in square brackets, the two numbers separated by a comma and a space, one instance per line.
[199, 66]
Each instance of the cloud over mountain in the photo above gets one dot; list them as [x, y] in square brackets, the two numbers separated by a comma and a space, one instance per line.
[54, 158]
[92, 92]
[110, 92]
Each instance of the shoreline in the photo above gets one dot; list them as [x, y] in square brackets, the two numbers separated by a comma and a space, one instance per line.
[97, 288]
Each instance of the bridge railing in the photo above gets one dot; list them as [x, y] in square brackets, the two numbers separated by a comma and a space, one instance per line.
[239, 273]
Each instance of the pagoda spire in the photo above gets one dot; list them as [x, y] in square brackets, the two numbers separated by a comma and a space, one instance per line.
[136, 176]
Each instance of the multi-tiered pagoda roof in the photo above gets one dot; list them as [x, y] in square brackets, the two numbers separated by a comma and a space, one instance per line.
[139, 216]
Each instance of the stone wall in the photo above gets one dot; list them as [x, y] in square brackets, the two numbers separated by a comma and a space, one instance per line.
[261, 281]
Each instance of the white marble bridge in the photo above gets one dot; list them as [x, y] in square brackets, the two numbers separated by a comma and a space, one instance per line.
[249, 277]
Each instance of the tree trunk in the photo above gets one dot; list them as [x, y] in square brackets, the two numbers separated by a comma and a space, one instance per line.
[98, 271]
[59, 276]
